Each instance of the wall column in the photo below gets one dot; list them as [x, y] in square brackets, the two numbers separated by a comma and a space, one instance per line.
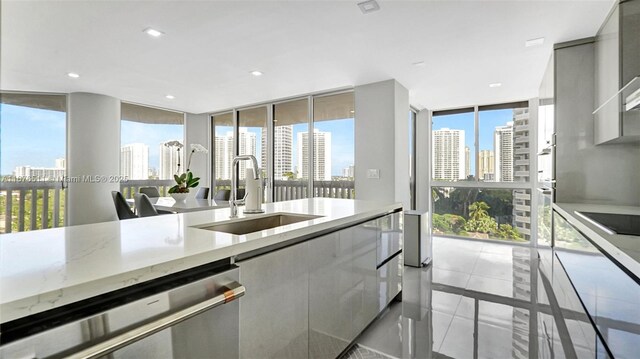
[93, 157]
[382, 147]
[197, 130]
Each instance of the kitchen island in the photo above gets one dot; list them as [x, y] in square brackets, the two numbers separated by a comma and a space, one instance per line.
[287, 270]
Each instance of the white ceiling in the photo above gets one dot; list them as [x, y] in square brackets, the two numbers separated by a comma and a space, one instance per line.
[210, 47]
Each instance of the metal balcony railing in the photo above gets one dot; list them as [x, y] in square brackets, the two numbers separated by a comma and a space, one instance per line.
[20, 212]
[26, 205]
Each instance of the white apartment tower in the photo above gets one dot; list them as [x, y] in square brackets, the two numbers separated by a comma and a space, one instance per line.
[486, 165]
[503, 149]
[246, 146]
[134, 161]
[321, 156]
[448, 151]
[223, 154]
[169, 161]
[282, 150]
[521, 171]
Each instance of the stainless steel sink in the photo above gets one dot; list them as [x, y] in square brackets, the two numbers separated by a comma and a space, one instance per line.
[257, 224]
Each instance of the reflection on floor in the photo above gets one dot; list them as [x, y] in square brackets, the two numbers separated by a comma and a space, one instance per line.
[476, 300]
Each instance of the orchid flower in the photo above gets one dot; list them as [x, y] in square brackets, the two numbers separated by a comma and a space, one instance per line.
[195, 147]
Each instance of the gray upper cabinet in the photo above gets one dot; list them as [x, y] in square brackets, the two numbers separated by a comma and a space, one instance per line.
[617, 51]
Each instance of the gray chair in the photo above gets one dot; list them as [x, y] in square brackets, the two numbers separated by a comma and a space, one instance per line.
[122, 207]
[203, 193]
[150, 191]
[222, 195]
[144, 206]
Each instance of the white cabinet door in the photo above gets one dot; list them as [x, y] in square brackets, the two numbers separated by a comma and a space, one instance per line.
[330, 295]
[274, 311]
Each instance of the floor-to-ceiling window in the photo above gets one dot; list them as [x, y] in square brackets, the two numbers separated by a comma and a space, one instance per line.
[33, 165]
[290, 124]
[481, 172]
[333, 145]
[152, 147]
[223, 150]
[290, 163]
[412, 157]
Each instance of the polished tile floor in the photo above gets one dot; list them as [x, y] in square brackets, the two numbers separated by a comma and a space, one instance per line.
[476, 300]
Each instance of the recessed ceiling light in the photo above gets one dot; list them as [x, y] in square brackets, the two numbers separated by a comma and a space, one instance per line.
[368, 6]
[495, 84]
[352, 111]
[534, 42]
[419, 63]
[170, 97]
[153, 32]
[256, 73]
[73, 75]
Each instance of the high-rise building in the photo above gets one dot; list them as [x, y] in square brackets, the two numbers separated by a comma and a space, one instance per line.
[486, 165]
[467, 161]
[448, 149]
[134, 161]
[223, 154]
[503, 149]
[521, 171]
[39, 173]
[169, 161]
[321, 155]
[246, 146]
[349, 172]
[282, 150]
[61, 163]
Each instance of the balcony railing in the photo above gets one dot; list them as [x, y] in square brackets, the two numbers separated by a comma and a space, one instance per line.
[31, 205]
[19, 212]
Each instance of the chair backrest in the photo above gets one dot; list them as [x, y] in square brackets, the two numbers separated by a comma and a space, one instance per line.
[150, 191]
[122, 207]
[144, 206]
[203, 193]
[222, 195]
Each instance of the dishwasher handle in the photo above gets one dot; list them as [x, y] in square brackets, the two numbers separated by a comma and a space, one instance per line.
[235, 290]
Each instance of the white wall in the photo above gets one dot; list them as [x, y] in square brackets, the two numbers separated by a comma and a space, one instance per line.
[93, 149]
[197, 130]
[382, 133]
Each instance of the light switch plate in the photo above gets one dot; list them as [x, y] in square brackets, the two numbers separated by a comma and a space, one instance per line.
[373, 173]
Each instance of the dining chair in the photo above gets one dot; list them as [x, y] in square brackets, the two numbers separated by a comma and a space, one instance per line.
[222, 195]
[203, 193]
[122, 208]
[150, 191]
[144, 206]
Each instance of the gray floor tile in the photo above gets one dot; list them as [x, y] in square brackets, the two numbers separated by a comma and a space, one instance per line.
[437, 317]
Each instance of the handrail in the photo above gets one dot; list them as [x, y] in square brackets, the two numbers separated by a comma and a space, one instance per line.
[236, 290]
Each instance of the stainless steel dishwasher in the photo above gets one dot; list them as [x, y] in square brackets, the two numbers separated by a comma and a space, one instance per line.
[191, 314]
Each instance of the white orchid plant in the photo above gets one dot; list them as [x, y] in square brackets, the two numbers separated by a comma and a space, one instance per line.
[185, 180]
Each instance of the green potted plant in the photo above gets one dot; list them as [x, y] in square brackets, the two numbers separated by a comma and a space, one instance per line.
[184, 180]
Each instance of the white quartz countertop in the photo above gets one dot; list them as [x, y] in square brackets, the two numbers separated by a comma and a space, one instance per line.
[46, 269]
[624, 248]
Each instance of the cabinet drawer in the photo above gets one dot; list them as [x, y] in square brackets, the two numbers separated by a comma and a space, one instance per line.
[389, 281]
[390, 237]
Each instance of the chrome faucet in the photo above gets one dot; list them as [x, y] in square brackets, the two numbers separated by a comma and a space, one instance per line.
[233, 201]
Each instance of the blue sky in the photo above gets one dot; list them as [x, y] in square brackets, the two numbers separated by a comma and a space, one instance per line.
[30, 136]
[488, 121]
[36, 137]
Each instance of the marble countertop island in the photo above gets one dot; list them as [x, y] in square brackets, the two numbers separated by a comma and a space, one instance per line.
[625, 249]
[46, 269]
